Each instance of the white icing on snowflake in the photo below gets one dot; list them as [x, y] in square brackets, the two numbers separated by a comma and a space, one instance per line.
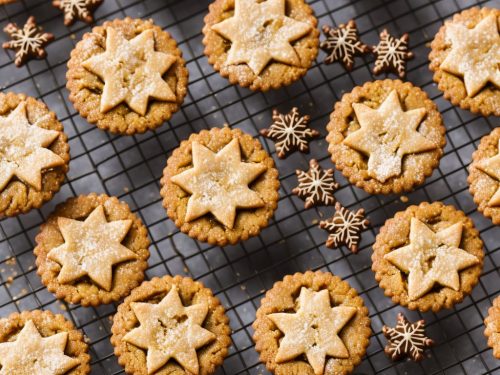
[73, 9]
[392, 54]
[316, 185]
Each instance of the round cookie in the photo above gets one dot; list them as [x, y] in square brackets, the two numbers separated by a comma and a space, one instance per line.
[307, 305]
[168, 308]
[477, 96]
[101, 92]
[427, 257]
[209, 207]
[28, 339]
[484, 176]
[386, 136]
[92, 250]
[251, 64]
[492, 331]
[35, 151]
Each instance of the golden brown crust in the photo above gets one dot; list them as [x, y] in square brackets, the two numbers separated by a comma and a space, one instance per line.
[481, 186]
[248, 223]
[86, 88]
[282, 298]
[18, 197]
[276, 74]
[191, 292]
[487, 101]
[49, 324]
[492, 331]
[354, 165]
[395, 234]
[126, 275]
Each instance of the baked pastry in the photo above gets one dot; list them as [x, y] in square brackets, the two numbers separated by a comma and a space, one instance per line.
[386, 136]
[34, 154]
[492, 331]
[465, 57]
[39, 342]
[391, 54]
[92, 250]
[311, 323]
[484, 176]
[170, 325]
[220, 186]
[261, 44]
[77, 9]
[127, 76]
[428, 257]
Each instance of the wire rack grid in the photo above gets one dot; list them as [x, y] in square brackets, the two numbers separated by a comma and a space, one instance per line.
[130, 168]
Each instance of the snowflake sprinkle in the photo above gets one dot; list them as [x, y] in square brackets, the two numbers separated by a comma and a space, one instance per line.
[392, 54]
[27, 42]
[316, 185]
[73, 9]
[406, 339]
[342, 44]
[345, 227]
[290, 132]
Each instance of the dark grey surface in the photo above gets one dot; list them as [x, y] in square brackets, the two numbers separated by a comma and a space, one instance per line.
[130, 167]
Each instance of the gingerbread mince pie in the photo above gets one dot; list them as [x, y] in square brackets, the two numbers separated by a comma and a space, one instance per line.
[220, 186]
[34, 154]
[428, 257]
[171, 325]
[92, 250]
[127, 76]
[311, 323]
[492, 331]
[484, 176]
[40, 342]
[386, 136]
[465, 57]
[261, 44]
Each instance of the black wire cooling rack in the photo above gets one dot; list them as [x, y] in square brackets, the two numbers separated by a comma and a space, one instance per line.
[130, 168]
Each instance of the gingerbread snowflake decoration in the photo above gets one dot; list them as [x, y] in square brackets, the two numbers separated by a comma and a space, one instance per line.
[316, 185]
[28, 41]
[77, 9]
[392, 54]
[345, 227]
[290, 132]
[406, 339]
[342, 44]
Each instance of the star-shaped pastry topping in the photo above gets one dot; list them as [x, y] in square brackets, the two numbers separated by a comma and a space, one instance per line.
[218, 183]
[73, 9]
[132, 71]
[386, 135]
[345, 227]
[313, 330]
[169, 330]
[33, 354]
[491, 166]
[406, 339]
[342, 44]
[23, 151]
[259, 32]
[475, 54]
[392, 54]
[91, 248]
[431, 257]
[316, 185]
[28, 41]
[290, 132]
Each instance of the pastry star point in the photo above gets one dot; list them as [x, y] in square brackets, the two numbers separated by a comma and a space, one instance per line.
[313, 330]
[261, 32]
[386, 135]
[218, 183]
[491, 166]
[91, 248]
[169, 330]
[475, 54]
[431, 258]
[32, 353]
[138, 62]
